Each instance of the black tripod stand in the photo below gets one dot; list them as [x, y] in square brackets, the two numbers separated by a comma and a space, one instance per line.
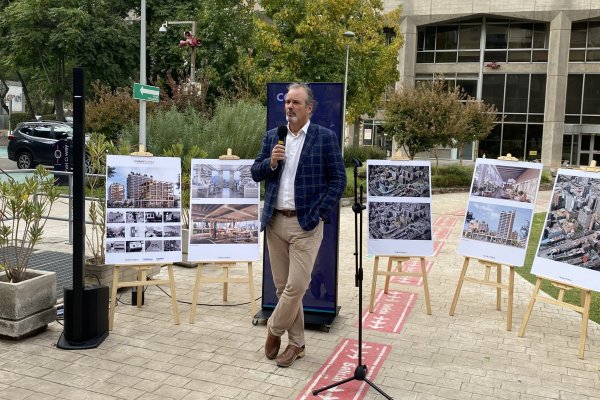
[360, 373]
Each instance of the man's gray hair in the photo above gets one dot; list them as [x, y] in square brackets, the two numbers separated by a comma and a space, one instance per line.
[310, 100]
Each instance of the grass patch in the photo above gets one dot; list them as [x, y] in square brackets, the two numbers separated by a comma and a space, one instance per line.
[571, 296]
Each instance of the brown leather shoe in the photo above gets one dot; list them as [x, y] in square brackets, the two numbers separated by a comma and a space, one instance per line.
[272, 345]
[290, 354]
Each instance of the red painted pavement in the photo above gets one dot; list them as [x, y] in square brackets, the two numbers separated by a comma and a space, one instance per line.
[412, 265]
[341, 365]
[390, 311]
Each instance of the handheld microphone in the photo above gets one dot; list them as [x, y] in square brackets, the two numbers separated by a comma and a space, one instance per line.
[282, 131]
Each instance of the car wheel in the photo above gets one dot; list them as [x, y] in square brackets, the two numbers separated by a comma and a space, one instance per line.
[25, 161]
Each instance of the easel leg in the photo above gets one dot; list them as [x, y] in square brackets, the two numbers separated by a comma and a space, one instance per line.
[173, 294]
[584, 322]
[536, 290]
[251, 288]
[140, 289]
[113, 297]
[374, 283]
[459, 286]
[511, 292]
[388, 276]
[499, 290]
[425, 285]
[195, 294]
[225, 284]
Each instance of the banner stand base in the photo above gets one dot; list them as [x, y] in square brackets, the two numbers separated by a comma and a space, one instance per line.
[312, 320]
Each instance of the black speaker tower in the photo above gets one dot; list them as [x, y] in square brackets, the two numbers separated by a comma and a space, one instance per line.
[86, 308]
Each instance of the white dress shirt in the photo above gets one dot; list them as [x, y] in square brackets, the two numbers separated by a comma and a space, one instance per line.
[293, 148]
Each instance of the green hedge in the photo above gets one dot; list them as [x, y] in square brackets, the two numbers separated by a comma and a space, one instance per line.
[19, 117]
[363, 153]
[451, 176]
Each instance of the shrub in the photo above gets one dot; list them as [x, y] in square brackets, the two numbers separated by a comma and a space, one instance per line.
[239, 125]
[111, 111]
[16, 118]
[452, 176]
[363, 153]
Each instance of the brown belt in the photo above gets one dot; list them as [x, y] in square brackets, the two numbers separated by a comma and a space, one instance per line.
[287, 213]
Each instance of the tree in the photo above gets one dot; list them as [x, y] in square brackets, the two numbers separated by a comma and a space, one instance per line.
[479, 119]
[423, 117]
[49, 37]
[304, 41]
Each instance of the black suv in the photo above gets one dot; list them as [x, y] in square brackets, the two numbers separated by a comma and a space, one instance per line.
[32, 143]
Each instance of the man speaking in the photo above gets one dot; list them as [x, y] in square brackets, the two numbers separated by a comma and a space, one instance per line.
[304, 179]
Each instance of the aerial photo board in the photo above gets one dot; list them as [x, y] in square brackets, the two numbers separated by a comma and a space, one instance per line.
[500, 209]
[569, 247]
[224, 211]
[399, 208]
[143, 210]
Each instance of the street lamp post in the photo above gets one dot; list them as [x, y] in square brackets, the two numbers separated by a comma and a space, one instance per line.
[349, 35]
[192, 44]
[10, 98]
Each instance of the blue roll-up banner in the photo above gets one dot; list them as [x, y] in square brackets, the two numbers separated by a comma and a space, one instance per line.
[321, 297]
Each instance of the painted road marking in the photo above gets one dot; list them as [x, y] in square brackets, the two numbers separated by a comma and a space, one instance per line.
[390, 311]
[341, 365]
[412, 265]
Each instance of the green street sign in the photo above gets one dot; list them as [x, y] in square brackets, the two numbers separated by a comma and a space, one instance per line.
[145, 92]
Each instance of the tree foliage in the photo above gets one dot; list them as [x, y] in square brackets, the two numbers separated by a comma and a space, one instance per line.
[49, 37]
[304, 41]
[430, 115]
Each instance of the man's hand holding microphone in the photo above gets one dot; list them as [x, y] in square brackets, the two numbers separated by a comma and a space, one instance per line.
[278, 152]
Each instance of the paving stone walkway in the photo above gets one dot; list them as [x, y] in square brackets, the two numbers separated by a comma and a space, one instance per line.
[468, 356]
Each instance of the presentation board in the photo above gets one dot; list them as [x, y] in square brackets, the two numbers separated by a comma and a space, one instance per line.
[399, 208]
[569, 247]
[500, 210]
[143, 210]
[224, 211]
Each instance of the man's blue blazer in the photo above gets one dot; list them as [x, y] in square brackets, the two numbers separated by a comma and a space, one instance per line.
[320, 177]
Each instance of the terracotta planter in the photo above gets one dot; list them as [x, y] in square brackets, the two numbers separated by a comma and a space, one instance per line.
[27, 307]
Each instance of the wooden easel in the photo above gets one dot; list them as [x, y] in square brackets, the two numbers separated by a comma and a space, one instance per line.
[584, 309]
[399, 260]
[486, 279]
[585, 295]
[398, 272]
[142, 269]
[140, 283]
[225, 279]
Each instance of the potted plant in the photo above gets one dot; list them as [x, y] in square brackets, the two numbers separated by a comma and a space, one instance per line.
[27, 297]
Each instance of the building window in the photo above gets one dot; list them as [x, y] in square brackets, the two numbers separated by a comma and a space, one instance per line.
[511, 41]
[449, 43]
[519, 99]
[583, 99]
[585, 42]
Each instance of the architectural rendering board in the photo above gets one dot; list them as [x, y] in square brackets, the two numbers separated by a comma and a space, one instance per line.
[224, 212]
[500, 210]
[143, 210]
[569, 247]
[399, 208]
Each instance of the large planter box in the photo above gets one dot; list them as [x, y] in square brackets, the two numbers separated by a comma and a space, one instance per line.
[103, 274]
[27, 307]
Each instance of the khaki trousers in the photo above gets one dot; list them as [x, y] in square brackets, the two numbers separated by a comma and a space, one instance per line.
[292, 252]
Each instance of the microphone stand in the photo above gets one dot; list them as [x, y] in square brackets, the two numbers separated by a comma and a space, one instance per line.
[360, 373]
